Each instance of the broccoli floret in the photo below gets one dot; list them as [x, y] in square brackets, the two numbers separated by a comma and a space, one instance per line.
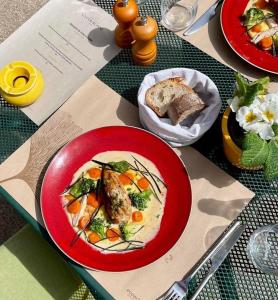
[129, 230]
[140, 200]
[82, 187]
[119, 166]
[98, 225]
[253, 16]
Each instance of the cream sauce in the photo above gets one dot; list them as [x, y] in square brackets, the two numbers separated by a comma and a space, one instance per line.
[152, 215]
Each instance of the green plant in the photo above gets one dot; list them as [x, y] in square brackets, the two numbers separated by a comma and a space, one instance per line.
[257, 113]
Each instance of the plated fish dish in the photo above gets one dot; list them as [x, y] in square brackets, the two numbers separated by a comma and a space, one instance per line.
[115, 202]
[260, 19]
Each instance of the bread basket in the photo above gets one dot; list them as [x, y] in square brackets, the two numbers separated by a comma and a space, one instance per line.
[187, 132]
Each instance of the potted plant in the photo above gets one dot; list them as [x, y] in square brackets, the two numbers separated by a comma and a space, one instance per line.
[250, 127]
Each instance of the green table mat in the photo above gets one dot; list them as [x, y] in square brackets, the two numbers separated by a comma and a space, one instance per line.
[30, 269]
[237, 278]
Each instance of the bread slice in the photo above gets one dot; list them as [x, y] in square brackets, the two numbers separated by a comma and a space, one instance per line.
[159, 96]
[185, 106]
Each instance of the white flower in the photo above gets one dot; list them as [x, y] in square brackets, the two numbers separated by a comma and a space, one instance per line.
[263, 129]
[269, 109]
[234, 103]
[257, 102]
[247, 115]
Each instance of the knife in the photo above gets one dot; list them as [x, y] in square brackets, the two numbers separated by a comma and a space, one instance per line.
[219, 256]
[204, 19]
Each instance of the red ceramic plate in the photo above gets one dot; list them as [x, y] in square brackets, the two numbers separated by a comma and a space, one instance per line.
[236, 36]
[82, 149]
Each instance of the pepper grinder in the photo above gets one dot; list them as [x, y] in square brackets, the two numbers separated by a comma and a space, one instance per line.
[144, 49]
[125, 12]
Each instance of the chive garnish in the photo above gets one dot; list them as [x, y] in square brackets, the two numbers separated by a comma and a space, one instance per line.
[152, 187]
[136, 160]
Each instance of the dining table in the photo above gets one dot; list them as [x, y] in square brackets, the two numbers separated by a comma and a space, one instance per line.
[114, 87]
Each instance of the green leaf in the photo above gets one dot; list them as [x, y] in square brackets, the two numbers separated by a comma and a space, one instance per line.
[264, 82]
[271, 164]
[248, 91]
[250, 139]
[255, 151]
[251, 92]
[241, 85]
[275, 129]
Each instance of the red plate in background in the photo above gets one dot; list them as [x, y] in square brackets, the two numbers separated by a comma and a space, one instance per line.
[80, 150]
[238, 39]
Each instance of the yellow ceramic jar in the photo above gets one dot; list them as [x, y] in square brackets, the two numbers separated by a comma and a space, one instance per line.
[20, 83]
[231, 150]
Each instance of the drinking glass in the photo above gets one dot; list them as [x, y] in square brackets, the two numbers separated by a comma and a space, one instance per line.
[178, 15]
[262, 249]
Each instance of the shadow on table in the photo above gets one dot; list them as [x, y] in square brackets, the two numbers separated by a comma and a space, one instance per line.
[226, 209]
[129, 117]
[103, 37]
[229, 56]
[38, 189]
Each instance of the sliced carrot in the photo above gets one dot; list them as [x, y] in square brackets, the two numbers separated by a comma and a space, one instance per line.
[126, 178]
[74, 207]
[137, 216]
[143, 183]
[93, 201]
[257, 28]
[261, 4]
[94, 173]
[94, 237]
[266, 42]
[83, 222]
[113, 234]
[69, 197]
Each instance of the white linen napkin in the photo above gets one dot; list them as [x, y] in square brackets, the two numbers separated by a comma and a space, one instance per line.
[189, 131]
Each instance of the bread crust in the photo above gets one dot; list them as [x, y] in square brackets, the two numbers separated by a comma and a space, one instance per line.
[174, 84]
[185, 106]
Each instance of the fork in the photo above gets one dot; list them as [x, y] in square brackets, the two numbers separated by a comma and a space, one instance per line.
[179, 289]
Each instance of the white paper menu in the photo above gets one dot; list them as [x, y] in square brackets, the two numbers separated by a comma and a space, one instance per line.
[67, 40]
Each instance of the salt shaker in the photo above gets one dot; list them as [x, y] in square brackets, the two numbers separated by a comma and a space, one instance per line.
[125, 12]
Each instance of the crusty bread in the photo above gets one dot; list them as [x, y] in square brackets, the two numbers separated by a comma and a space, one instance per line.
[184, 106]
[159, 96]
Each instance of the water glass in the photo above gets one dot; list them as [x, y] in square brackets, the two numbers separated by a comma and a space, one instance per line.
[178, 15]
[262, 249]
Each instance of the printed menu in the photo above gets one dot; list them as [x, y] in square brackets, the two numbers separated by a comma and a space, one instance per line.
[68, 41]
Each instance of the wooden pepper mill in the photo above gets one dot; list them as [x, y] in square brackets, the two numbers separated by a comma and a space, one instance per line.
[125, 12]
[144, 49]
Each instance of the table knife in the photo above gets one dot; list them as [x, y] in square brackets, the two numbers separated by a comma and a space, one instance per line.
[219, 256]
[204, 19]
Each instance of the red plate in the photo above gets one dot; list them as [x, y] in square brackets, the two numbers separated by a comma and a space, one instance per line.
[238, 39]
[73, 155]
